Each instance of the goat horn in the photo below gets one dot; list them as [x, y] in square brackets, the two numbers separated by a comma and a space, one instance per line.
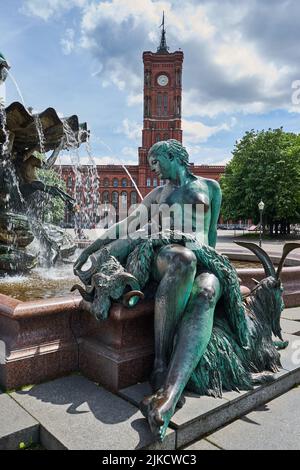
[261, 255]
[129, 295]
[86, 295]
[128, 278]
[288, 247]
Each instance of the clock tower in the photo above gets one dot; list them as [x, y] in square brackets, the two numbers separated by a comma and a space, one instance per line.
[162, 98]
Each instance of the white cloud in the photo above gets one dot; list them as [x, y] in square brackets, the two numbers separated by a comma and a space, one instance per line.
[67, 41]
[230, 66]
[132, 130]
[45, 9]
[195, 131]
[204, 155]
[130, 152]
[135, 99]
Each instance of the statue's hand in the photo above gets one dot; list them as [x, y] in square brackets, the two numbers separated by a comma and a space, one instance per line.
[84, 256]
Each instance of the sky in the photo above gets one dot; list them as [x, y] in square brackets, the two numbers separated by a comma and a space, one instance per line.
[84, 57]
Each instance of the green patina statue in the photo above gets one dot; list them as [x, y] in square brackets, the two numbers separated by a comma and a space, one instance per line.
[210, 334]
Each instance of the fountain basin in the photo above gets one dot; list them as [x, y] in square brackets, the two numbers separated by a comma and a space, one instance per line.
[44, 339]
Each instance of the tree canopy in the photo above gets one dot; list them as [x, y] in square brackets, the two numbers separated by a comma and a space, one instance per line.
[265, 166]
[54, 207]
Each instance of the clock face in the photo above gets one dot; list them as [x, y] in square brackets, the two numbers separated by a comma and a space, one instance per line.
[162, 80]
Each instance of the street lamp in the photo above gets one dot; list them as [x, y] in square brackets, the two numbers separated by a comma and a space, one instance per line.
[261, 207]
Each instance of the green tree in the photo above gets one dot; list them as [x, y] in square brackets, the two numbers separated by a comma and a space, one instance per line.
[265, 165]
[54, 207]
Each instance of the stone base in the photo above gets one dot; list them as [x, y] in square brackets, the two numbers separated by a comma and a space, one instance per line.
[114, 369]
[44, 339]
[50, 338]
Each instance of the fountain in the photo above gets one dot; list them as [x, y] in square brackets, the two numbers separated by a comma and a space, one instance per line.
[49, 336]
[24, 139]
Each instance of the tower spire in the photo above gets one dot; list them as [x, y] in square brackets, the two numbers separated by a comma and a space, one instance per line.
[163, 48]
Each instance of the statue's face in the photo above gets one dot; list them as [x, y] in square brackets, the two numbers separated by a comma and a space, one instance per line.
[161, 164]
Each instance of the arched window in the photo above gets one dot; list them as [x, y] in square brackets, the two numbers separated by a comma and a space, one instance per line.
[147, 77]
[124, 199]
[165, 104]
[147, 106]
[124, 183]
[69, 182]
[154, 182]
[106, 182]
[115, 199]
[178, 106]
[148, 182]
[159, 104]
[178, 77]
[134, 179]
[115, 183]
[133, 197]
[157, 138]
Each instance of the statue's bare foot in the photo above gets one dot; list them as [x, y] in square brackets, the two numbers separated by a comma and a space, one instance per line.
[158, 409]
[158, 378]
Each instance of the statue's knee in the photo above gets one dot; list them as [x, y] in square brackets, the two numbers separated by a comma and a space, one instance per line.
[185, 261]
[208, 294]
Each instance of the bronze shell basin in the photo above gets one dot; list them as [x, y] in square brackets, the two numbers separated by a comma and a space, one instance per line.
[21, 125]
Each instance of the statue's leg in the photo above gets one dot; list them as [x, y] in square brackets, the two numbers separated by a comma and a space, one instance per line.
[192, 338]
[175, 268]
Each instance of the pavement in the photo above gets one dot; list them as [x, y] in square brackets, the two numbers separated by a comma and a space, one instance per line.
[75, 413]
[224, 241]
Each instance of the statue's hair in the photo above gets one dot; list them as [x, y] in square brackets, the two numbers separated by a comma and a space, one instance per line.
[171, 147]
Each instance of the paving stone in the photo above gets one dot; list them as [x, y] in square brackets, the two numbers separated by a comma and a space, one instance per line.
[193, 407]
[273, 426]
[201, 415]
[75, 413]
[203, 444]
[289, 326]
[16, 425]
[291, 313]
[135, 393]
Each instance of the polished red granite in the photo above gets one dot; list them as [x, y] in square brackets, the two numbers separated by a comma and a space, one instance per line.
[44, 339]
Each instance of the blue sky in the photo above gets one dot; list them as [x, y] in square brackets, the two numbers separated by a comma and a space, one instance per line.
[85, 57]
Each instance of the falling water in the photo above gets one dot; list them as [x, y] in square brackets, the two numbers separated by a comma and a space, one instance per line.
[40, 132]
[133, 182]
[82, 193]
[125, 169]
[17, 87]
[7, 170]
[5, 144]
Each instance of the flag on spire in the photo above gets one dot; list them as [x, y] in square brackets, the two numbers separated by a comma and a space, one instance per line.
[163, 48]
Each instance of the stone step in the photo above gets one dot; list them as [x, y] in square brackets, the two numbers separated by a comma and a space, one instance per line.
[274, 426]
[203, 415]
[291, 314]
[17, 426]
[75, 413]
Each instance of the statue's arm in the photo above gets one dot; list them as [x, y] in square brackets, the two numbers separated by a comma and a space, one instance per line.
[135, 219]
[215, 202]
